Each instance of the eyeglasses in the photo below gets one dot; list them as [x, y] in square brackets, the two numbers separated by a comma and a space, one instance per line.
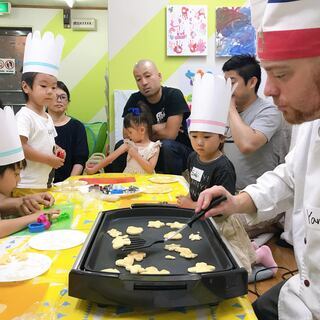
[62, 97]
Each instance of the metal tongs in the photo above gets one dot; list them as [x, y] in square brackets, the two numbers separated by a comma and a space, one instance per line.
[139, 243]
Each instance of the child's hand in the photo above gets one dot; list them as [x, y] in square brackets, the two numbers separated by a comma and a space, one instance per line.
[60, 153]
[46, 199]
[91, 168]
[51, 214]
[185, 202]
[32, 203]
[55, 162]
[132, 151]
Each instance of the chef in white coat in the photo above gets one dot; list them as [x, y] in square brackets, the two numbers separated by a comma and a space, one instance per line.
[288, 41]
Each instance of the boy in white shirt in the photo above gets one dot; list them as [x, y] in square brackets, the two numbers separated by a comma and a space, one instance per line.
[35, 126]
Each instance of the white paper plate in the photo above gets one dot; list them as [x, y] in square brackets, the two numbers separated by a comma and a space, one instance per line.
[69, 185]
[109, 197]
[163, 179]
[128, 195]
[20, 270]
[156, 189]
[57, 240]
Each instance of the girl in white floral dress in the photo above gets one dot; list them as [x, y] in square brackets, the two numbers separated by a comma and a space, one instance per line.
[142, 152]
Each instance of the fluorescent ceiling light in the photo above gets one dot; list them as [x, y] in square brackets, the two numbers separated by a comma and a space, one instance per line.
[70, 3]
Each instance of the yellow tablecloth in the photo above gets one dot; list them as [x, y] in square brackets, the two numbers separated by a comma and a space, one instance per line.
[46, 297]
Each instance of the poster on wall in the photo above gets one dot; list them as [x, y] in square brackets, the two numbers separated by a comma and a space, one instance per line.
[234, 32]
[183, 78]
[187, 30]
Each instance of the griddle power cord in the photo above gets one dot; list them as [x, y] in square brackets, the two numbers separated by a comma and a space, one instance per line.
[284, 277]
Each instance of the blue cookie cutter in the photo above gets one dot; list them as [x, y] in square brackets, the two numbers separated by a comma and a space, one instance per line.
[36, 227]
[117, 191]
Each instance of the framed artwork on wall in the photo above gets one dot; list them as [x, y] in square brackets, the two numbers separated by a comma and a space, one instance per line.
[234, 32]
[187, 30]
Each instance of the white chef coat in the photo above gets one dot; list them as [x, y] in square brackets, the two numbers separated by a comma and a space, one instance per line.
[296, 183]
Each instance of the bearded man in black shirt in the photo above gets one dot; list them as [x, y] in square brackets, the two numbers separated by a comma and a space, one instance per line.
[169, 111]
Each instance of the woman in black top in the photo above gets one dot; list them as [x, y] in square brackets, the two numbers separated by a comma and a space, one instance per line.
[71, 135]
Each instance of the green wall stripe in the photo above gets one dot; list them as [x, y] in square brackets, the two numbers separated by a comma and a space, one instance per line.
[149, 43]
[71, 38]
[88, 96]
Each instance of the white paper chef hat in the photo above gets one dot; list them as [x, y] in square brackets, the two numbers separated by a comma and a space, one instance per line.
[10, 144]
[42, 54]
[286, 29]
[210, 103]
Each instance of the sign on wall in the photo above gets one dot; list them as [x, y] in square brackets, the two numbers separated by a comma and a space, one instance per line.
[7, 66]
[82, 24]
[187, 30]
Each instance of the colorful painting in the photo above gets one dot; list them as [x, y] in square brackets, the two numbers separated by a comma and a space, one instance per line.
[187, 30]
[234, 32]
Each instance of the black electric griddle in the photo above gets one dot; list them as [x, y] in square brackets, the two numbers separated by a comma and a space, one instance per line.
[180, 288]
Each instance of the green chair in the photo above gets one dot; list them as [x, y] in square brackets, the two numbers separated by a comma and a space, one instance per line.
[96, 136]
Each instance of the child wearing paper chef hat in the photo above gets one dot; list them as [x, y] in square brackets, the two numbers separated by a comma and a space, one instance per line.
[35, 126]
[208, 166]
[12, 161]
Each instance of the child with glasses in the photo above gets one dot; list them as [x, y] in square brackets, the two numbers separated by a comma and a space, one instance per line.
[142, 152]
[71, 135]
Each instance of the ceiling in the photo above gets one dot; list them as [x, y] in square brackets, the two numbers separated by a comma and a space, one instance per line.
[60, 3]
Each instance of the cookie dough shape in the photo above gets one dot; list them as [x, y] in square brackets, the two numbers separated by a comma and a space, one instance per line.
[125, 262]
[133, 231]
[175, 225]
[120, 241]
[128, 262]
[178, 236]
[135, 269]
[184, 252]
[195, 236]
[114, 233]
[137, 256]
[172, 246]
[201, 267]
[169, 257]
[155, 224]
